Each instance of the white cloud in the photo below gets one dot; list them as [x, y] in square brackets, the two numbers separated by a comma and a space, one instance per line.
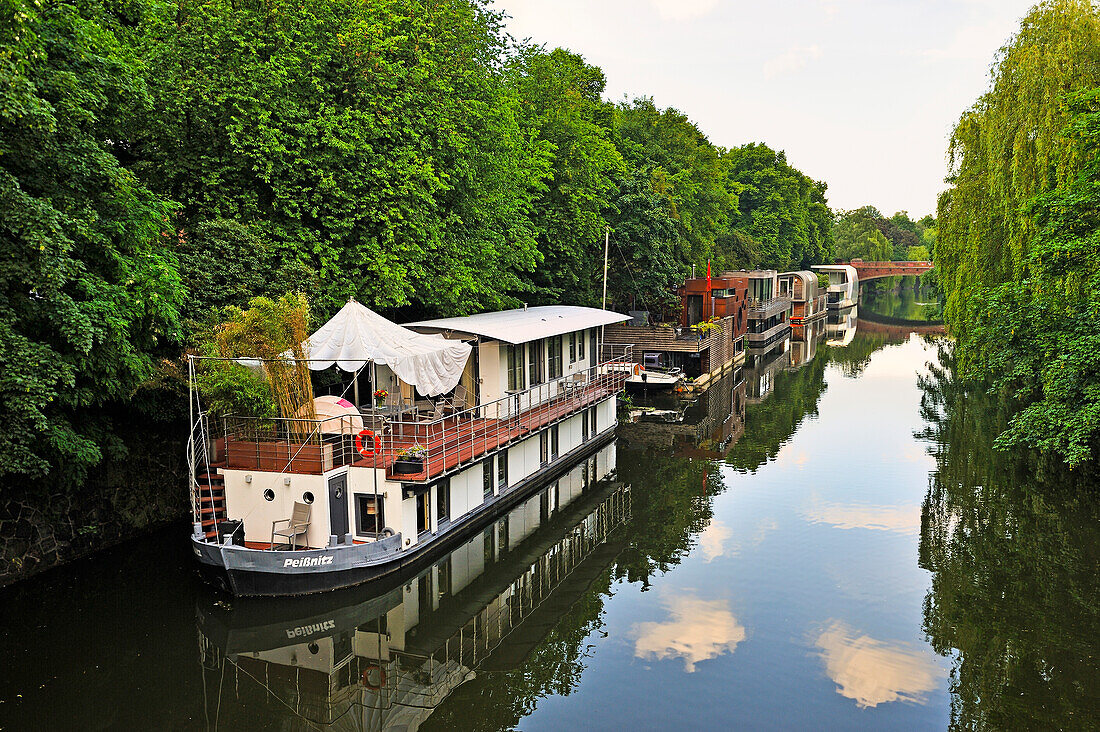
[712, 540]
[793, 60]
[899, 519]
[683, 9]
[873, 672]
[697, 630]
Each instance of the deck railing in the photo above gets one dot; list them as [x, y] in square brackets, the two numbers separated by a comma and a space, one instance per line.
[446, 440]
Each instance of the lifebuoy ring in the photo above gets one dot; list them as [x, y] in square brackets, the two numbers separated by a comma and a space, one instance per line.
[366, 451]
[637, 370]
[365, 677]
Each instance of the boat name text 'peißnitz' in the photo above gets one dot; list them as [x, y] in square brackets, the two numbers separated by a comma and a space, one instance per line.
[308, 562]
[304, 630]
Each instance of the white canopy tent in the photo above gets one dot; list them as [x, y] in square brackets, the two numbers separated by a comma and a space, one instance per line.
[357, 335]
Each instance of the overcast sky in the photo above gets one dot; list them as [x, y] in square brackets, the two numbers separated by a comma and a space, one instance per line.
[860, 93]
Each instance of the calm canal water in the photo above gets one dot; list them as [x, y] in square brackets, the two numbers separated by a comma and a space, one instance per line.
[823, 541]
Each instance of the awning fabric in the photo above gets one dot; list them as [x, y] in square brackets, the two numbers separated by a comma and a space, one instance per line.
[357, 335]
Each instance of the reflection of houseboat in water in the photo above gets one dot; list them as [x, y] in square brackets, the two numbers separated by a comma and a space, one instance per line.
[760, 377]
[478, 412]
[840, 328]
[707, 426]
[387, 662]
[804, 342]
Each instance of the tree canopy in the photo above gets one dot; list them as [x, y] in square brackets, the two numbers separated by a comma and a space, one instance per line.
[164, 163]
[1017, 232]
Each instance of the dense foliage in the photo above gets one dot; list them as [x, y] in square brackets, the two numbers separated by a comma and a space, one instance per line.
[89, 291]
[1017, 231]
[160, 162]
[868, 235]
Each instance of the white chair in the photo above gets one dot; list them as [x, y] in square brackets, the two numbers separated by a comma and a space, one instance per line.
[296, 525]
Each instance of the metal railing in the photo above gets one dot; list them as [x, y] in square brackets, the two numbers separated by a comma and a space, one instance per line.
[767, 308]
[444, 441]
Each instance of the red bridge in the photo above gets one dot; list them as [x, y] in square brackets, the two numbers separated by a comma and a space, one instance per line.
[874, 270]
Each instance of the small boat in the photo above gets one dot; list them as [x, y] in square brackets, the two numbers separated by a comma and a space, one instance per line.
[655, 377]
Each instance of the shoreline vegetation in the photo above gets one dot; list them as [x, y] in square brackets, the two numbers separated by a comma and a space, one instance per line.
[163, 162]
[1016, 250]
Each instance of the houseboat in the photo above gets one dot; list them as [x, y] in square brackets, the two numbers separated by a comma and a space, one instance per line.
[705, 339]
[388, 659]
[843, 290]
[464, 418]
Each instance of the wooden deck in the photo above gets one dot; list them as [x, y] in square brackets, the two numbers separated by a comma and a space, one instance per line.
[448, 442]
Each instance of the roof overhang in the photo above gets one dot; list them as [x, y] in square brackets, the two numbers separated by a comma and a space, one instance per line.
[521, 325]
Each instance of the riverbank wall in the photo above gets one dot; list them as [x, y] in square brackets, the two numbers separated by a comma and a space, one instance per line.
[124, 497]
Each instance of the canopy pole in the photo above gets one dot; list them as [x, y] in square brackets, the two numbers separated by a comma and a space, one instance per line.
[355, 387]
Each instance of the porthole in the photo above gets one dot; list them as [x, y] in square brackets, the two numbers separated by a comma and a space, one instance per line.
[314, 648]
[307, 497]
[269, 495]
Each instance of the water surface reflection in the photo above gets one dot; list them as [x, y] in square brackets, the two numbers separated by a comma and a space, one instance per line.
[824, 539]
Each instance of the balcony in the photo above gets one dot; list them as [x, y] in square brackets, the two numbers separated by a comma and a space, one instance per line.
[449, 442]
[763, 309]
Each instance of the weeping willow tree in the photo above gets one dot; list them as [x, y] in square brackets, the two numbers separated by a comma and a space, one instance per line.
[272, 331]
[1018, 229]
[1007, 149]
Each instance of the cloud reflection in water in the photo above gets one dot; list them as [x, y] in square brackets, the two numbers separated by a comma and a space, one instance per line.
[697, 630]
[873, 672]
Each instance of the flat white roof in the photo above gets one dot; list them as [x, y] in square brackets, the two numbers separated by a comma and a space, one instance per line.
[522, 326]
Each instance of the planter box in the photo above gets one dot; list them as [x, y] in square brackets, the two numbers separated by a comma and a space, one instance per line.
[408, 466]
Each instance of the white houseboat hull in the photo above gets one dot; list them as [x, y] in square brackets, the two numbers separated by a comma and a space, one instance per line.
[245, 571]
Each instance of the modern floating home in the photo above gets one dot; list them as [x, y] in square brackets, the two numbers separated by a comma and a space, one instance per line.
[704, 339]
[843, 289]
[464, 418]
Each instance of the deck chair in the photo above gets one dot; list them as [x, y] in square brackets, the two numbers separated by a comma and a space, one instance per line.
[458, 399]
[296, 525]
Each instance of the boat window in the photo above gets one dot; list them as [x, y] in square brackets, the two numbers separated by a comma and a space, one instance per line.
[269, 495]
[307, 497]
[580, 345]
[443, 500]
[554, 347]
[573, 347]
[487, 477]
[515, 367]
[544, 448]
[535, 352]
[502, 470]
[584, 427]
[592, 414]
[370, 517]
[554, 442]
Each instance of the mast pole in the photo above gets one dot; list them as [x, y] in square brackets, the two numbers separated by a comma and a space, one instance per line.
[606, 242]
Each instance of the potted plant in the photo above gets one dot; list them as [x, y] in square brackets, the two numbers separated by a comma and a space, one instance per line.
[380, 397]
[410, 460]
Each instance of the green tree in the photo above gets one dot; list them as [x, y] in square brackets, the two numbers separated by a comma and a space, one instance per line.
[782, 219]
[1007, 149]
[374, 147]
[89, 290]
[1037, 337]
[857, 237]
[560, 100]
[684, 169]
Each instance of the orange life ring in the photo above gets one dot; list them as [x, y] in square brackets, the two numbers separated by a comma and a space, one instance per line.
[637, 370]
[365, 677]
[366, 451]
